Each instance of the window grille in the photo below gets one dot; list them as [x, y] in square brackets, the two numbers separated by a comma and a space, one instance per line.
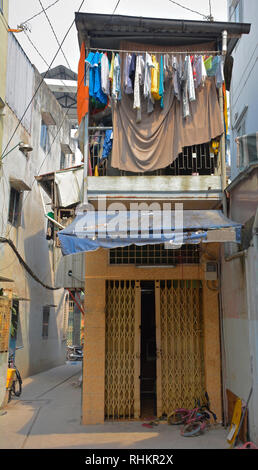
[194, 160]
[44, 138]
[14, 207]
[45, 322]
[155, 255]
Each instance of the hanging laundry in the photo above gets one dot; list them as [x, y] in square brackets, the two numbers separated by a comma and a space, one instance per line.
[105, 84]
[201, 73]
[128, 88]
[116, 86]
[89, 61]
[190, 79]
[108, 141]
[192, 58]
[161, 82]
[208, 63]
[188, 86]
[155, 79]
[132, 69]
[219, 75]
[211, 72]
[96, 171]
[111, 71]
[82, 90]
[95, 90]
[177, 76]
[89, 166]
[147, 83]
[138, 81]
[168, 71]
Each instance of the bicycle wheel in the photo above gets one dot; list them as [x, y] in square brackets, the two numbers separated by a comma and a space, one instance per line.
[17, 385]
[178, 417]
[191, 429]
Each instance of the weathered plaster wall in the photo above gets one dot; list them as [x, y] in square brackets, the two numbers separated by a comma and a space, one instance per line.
[30, 236]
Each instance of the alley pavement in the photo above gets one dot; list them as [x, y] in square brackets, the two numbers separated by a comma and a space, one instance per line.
[48, 416]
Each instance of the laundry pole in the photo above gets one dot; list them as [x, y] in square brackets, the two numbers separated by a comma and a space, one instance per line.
[223, 137]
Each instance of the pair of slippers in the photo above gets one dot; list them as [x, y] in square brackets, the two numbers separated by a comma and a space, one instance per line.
[150, 424]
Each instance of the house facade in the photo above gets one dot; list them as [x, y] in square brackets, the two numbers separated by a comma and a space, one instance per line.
[152, 325]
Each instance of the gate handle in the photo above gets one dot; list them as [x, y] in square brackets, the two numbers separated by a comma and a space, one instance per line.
[159, 352]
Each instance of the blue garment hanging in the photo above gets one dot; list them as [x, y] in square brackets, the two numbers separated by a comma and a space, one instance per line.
[95, 89]
[108, 141]
[161, 82]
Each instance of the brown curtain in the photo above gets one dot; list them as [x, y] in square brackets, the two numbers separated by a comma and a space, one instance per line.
[156, 141]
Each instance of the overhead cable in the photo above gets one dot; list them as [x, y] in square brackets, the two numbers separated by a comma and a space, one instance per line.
[116, 7]
[42, 80]
[25, 265]
[189, 9]
[54, 33]
[40, 12]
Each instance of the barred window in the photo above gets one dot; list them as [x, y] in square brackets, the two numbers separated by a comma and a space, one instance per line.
[155, 255]
[45, 322]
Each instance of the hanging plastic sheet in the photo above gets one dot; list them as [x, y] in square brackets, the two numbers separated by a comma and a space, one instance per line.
[101, 229]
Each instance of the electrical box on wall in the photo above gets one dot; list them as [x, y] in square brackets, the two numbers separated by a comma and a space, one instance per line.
[211, 271]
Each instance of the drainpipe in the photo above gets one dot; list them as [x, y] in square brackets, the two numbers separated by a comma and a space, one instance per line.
[74, 299]
[223, 137]
[239, 254]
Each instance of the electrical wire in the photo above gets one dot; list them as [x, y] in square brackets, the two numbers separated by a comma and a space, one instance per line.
[44, 60]
[54, 33]
[30, 104]
[42, 163]
[40, 12]
[42, 80]
[116, 7]
[189, 9]
[25, 265]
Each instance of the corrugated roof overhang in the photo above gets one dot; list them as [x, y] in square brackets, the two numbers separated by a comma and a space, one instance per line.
[107, 31]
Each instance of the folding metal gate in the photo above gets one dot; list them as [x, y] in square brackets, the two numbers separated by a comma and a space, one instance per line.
[122, 367]
[179, 341]
[180, 359]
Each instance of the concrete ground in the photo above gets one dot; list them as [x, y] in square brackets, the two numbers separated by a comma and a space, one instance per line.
[47, 416]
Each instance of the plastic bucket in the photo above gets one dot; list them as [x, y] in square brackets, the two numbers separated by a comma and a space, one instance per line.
[10, 377]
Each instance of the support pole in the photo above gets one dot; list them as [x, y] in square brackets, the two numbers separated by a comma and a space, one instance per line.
[223, 137]
[86, 143]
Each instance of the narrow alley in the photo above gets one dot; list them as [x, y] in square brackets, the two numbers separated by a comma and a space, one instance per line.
[48, 413]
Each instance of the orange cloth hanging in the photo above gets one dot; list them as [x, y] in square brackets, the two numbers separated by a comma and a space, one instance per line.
[82, 90]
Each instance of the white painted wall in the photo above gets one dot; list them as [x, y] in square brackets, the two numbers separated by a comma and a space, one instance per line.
[244, 90]
[30, 236]
[240, 276]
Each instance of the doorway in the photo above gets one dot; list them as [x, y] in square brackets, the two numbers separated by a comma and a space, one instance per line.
[148, 351]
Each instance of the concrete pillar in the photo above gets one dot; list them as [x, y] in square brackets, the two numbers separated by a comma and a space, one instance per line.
[93, 391]
[212, 356]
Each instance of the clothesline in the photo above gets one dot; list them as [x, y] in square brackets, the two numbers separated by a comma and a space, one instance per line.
[157, 52]
[146, 77]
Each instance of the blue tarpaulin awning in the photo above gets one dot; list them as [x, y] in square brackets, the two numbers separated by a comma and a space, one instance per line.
[111, 229]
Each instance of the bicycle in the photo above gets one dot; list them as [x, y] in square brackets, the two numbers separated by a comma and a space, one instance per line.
[194, 420]
[16, 386]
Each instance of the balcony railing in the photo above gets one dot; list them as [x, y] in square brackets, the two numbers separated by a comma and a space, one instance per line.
[194, 160]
